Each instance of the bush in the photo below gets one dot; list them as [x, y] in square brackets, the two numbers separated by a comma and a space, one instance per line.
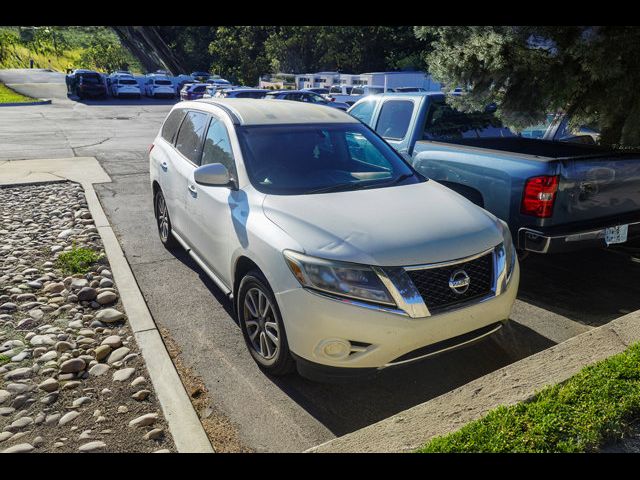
[77, 260]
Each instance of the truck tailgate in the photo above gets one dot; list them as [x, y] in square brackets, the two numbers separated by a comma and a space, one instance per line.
[593, 187]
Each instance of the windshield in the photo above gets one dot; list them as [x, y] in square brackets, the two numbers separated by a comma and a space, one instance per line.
[305, 159]
[127, 82]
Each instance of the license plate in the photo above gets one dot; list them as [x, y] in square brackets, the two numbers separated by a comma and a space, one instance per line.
[616, 234]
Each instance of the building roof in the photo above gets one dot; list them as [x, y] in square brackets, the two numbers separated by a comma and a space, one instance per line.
[250, 111]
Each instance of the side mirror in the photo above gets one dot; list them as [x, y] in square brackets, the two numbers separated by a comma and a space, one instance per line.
[213, 175]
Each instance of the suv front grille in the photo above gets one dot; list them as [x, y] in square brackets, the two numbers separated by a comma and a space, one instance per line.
[433, 283]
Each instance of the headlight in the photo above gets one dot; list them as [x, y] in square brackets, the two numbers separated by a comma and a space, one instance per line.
[509, 248]
[340, 278]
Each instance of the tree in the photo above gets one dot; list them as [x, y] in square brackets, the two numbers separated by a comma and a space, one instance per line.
[106, 55]
[238, 53]
[590, 72]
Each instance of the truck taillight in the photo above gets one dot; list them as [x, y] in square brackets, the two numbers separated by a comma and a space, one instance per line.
[539, 196]
[151, 148]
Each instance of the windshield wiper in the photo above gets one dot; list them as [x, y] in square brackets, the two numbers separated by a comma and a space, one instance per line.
[335, 188]
[359, 185]
[402, 177]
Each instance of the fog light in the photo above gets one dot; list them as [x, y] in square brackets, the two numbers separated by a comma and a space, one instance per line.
[335, 348]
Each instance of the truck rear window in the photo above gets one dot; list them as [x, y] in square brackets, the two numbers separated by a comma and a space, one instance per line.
[446, 123]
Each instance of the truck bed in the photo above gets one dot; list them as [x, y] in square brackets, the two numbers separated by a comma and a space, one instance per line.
[535, 147]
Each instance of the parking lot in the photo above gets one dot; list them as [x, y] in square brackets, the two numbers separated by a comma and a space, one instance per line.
[559, 297]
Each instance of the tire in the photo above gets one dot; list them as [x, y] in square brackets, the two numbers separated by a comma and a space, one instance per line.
[274, 359]
[164, 229]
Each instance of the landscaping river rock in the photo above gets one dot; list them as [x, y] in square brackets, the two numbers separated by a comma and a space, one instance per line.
[71, 376]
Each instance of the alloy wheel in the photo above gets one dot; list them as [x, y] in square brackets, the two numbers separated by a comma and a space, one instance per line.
[261, 324]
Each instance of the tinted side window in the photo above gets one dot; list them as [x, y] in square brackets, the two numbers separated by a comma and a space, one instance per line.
[217, 147]
[394, 119]
[364, 111]
[171, 125]
[189, 141]
[446, 123]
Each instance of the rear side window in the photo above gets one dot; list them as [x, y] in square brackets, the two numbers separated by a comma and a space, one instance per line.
[171, 125]
[364, 111]
[217, 147]
[189, 141]
[394, 119]
[446, 123]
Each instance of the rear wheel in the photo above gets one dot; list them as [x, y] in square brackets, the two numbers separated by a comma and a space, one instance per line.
[262, 325]
[163, 221]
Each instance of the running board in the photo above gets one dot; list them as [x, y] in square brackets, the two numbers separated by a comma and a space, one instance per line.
[226, 290]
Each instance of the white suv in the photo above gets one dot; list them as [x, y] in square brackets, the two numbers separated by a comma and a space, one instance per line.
[340, 258]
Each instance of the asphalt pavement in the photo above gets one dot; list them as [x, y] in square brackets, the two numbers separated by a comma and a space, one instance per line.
[559, 296]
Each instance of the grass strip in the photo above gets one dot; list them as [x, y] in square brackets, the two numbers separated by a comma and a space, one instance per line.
[590, 409]
[10, 96]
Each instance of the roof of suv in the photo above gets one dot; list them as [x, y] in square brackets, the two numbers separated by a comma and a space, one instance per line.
[251, 111]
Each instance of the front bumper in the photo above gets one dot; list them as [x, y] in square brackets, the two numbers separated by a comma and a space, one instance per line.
[380, 338]
[565, 239]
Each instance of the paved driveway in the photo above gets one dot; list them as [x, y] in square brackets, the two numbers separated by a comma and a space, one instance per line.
[559, 296]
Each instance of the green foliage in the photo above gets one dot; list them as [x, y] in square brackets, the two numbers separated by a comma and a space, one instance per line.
[9, 96]
[4, 359]
[592, 408]
[60, 48]
[243, 53]
[77, 260]
[8, 39]
[106, 55]
[591, 72]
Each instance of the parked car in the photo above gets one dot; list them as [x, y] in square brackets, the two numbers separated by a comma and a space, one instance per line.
[158, 86]
[558, 127]
[241, 93]
[307, 97]
[320, 91]
[125, 86]
[200, 76]
[357, 92]
[211, 90]
[86, 83]
[556, 195]
[340, 258]
[193, 91]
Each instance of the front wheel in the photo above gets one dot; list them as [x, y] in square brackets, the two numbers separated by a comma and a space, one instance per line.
[163, 221]
[262, 325]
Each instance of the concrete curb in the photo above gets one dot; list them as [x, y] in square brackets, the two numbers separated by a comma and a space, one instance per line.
[519, 381]
[24, 104]
[187, 431]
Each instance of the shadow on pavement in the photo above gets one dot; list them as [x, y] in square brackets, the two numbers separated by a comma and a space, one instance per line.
[591, 286]
[346, 407]
[111, 101]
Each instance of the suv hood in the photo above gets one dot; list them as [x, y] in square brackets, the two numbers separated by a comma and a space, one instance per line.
[394, 226]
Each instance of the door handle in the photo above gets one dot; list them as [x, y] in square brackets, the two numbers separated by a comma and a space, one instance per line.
[164, 166]
[192, 191]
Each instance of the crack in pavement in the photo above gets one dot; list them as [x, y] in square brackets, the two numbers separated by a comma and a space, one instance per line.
[91, 144]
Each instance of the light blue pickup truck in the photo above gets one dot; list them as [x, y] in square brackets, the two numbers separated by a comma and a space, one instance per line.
[555, 195]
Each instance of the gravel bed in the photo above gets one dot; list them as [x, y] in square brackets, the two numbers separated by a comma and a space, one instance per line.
[72, 378]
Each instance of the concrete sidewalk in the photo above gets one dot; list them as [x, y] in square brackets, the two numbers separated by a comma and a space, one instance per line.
[184, 424]
[514, 383]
